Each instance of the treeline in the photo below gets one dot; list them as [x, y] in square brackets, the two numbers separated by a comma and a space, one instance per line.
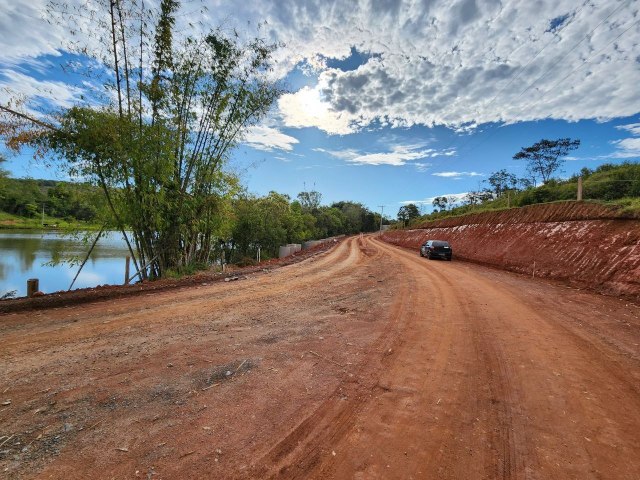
[275, 219]
[244, 222]
[607, 183]
[64, 200]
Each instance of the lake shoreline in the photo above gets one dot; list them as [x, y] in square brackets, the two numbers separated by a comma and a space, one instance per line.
[110, 292]
[15, 222]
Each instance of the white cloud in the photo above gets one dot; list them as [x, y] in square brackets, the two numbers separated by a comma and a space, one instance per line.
[398, 155]
[422, 167]
[457, 174]
[456, 197]
[634, 128]
[628, 147]
[45, 93]
[305, 108]
[466, 62]
[24, 34]
[458, 63]
[267, 138]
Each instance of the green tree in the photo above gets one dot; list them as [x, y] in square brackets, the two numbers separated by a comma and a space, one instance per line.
[477, 197]
[501, 181]
[440, 203]
[408, 212]
[310, 201]
[330, 221]
[158, 150]
[4, 174]
[544, 158]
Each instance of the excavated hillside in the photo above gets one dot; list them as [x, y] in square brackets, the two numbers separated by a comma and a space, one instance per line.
[585, 244]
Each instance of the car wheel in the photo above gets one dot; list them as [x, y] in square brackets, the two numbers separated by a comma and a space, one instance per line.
[421, 253]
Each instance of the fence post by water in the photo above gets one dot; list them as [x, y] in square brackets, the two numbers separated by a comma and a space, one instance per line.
[33, 285]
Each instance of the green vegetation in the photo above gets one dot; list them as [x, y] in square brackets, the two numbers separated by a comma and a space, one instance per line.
[544, 158]
[609, 184]
[244, 222]
[65, 204]
[158, 135]
[274, 220]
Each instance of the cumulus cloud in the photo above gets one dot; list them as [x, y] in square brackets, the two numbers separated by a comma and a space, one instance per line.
[457, 175]
[628, 147]
[267, 138]
[398, 155]
[463, 63]
[458, 63]
[453, 198]
[305, 108]
[42, 93]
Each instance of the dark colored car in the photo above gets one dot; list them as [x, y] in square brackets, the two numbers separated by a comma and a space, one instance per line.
[436, 249]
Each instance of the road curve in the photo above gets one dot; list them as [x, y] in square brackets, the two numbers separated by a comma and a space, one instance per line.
[493, 376]
[366, 362]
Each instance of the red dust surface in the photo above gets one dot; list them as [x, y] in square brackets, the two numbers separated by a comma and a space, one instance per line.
[364, 362]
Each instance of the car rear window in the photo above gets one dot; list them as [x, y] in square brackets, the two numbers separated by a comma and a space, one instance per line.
[438, 243]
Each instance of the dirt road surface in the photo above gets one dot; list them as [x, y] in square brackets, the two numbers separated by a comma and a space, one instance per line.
[366, 362]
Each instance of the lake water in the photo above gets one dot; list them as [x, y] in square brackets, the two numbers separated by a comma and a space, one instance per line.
[24, 253]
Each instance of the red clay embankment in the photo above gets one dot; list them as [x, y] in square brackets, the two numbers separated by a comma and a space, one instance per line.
[587, 245]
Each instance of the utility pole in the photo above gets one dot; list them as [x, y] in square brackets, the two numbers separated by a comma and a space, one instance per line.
[381, 215]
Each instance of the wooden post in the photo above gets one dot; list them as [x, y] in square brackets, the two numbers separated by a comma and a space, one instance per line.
[580, 188]
[33, 285]
[126, 270]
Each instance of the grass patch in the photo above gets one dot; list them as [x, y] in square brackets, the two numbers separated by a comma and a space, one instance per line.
[9, 221]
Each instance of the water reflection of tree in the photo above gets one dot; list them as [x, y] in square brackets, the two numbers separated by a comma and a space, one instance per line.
[23, 249]
[50, 248]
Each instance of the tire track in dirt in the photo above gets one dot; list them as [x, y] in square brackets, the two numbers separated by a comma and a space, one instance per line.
[204, 300]
[420, 369]
[105, 331]
[509, 391]
[444, 302]
[298, 452]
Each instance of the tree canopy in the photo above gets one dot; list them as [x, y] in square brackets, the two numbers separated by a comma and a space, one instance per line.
[544, 158]
[408, 212]
[174, 108]
[501, 181]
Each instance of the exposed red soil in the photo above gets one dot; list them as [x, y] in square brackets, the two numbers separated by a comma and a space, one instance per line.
[364, 362]
[583, 244]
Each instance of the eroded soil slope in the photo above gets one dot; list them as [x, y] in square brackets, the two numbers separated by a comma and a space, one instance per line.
[584, 244]
[365, 362]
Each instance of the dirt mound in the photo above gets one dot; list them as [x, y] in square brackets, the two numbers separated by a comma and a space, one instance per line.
[546, 212]
[584, 244]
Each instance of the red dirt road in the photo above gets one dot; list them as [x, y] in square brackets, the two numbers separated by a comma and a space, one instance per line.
[364, 362]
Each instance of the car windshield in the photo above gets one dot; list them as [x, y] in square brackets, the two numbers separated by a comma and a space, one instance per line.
[439, 243]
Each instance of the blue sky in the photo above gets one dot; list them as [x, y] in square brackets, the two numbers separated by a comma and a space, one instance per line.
[396, 101]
